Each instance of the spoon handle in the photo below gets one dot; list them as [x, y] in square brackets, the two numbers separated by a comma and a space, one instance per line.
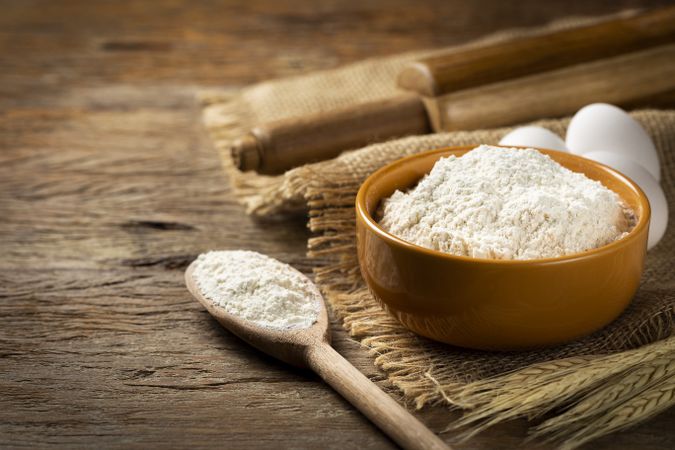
[379, 407]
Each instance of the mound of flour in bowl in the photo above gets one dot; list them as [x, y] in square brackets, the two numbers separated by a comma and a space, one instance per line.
[505, 203]
[258, 288]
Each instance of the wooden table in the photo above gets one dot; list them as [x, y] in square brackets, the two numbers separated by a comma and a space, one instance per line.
[109, 187]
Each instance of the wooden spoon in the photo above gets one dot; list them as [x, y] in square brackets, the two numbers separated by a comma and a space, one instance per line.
[310, 348]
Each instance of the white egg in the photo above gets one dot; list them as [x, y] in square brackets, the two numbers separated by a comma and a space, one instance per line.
[607, 128]
[647, 182]
[532, 136]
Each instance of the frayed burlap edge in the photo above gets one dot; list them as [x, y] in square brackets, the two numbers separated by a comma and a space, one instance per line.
[226, 115]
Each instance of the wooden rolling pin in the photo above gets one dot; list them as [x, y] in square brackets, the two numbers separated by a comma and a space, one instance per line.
[452, 71]
[281, 145]
[548, 75]
[645, 78]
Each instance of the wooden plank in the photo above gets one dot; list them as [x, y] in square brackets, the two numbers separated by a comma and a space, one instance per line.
[100, 343]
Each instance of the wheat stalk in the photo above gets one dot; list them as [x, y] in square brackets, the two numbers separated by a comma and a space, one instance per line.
[647, 404]
[607, 396]
[535, 390]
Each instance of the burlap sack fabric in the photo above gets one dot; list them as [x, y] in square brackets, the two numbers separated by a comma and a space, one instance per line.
[619, 376]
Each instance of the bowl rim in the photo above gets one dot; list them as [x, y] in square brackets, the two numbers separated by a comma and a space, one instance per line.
[362, 212]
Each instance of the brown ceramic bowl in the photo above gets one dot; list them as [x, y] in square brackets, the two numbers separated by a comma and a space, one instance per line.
[498, 304]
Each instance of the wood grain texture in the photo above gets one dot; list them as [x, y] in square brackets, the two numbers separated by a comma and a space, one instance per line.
[100, 342]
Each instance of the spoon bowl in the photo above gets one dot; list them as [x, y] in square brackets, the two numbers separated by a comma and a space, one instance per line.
[290, 346]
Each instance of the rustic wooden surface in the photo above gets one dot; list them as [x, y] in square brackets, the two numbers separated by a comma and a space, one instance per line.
[109, 188]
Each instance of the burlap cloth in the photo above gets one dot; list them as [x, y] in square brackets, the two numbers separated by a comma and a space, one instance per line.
[615, 378]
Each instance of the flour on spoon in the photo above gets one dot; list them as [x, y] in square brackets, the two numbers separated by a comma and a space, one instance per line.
[258, 288]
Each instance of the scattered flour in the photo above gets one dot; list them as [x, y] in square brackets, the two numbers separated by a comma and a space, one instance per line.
[258, 288]
[505, 203]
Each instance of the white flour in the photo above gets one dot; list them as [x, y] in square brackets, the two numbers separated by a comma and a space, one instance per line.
[505, 203]
[258, 288]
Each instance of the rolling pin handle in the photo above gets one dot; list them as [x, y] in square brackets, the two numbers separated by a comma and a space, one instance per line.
[245, 153]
